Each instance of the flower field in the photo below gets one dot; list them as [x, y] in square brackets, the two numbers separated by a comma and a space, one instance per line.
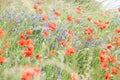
[58, 40]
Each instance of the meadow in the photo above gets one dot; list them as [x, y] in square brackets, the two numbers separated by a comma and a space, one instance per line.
[58, 40]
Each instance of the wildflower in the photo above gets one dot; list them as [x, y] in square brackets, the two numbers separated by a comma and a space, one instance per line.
[79, 10]
[69, 18]
[28, 32]
[2, 51]
[52, 52]
[63, 43]
[107, 22]
[70, 32]
[103, 58]
[46, 33]
[57, 13]
[36, 71]
[70, 51]
[117, 43]
[28, 53]
[77, 20]
[114, 70]
[22, 36]
[22, 42]
[38, 57]
[111, 59]
[29, 41]
[73, 76]
[116, 37]
[103, 52]
[89, 18]
[35, 7]
[30, 47]
[104, 65]
[52, 26]
[108, 76]
[102, 26]
[109, 46]
[40, 10]
[88, 30]
[44, 17]
[117, 30]
[1, 33]
[27, 75]
[89, 38]
[100, 21]
[2, 60]
[69, 36]
[39, 2]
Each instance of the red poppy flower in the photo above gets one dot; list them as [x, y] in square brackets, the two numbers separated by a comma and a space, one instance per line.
[109, 46]
[77, 20]
[29, 42]
[103, 52]
[22, 42]
[88, 30]
[89, 18]
[57, 13]
[38, 57]
[108, 76]
[102, 26]
[52, 52]
[69, 18]
[28, 53]
[28, 32]
[117, 30]
[22, 36]
[27, 75]
[73, 76]
[36, 71]
[107, 22]
[52, 26]
[69, 36]
[70, 32]
[39, 2]
[30, 47]
[2, 60]
[103, 58]
[100, 21]
[117, 43]
[35, 6]
[44, 17]
[114, 70]
[79, 10]
[46, 33]
[104, 65]
[116, 37]
[40, 10]
[111, 59]
[63, 43]
[70, 51]
[1, 33]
